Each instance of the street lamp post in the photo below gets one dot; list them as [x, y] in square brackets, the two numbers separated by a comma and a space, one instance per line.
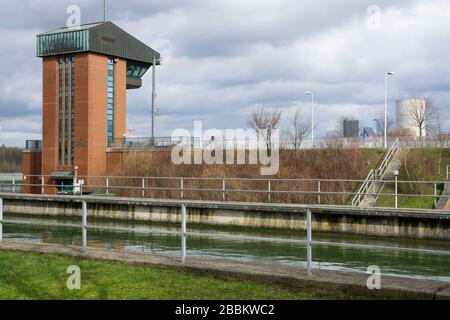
[104, 10]
[153, 97]
[386, 105]
[154, 111]
[312, 116]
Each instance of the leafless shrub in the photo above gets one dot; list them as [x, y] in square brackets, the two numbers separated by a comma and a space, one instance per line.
[379, 122]
[299, 129]
[10, 159]
[294, 164]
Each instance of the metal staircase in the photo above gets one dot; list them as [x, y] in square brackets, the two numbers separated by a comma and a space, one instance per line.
[369, 191]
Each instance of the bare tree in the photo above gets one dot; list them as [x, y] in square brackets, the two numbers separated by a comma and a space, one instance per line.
[262, 119]
[299, 129]
[424, 115]
[338, 131]
[440, 136]
[380, 125]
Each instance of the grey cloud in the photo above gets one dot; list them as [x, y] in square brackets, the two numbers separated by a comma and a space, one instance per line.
[45, 15]
[224, 57]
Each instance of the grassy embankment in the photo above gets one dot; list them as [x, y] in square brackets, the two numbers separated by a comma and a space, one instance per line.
[354, 164]
[43, 276]
[332, 163]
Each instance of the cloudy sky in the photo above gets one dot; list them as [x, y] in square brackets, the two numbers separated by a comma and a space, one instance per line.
[224, 57]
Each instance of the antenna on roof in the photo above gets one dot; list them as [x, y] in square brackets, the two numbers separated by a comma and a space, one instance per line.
[104, 10]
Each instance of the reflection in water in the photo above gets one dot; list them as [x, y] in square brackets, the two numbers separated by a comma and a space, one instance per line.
[144, 238]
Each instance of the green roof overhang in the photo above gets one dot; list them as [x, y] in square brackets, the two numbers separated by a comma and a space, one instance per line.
[104, 38]
[133, 83]
[62, 174]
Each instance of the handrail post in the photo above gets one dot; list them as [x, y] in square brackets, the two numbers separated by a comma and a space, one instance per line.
[1, 219]
[435, 195]
[42, 185]
[107, 186]
[269, 189]
[374, 179]
[183, 233]
[84, 225]
[143, 188]
[318, 190]
[396, 191]
[308, 242]
[223, 189]
[181, 188]
[14, 184]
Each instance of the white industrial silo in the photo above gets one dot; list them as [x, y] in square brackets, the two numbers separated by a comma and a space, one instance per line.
[407, 113]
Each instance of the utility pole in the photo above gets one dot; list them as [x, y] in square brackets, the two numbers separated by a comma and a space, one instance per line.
[153, 96]
[104, 10]
[312, 116]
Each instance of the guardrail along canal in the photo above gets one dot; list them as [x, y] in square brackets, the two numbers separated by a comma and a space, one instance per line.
[144, 237]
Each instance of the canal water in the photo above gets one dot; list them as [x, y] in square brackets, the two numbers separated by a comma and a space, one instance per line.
[144, 237]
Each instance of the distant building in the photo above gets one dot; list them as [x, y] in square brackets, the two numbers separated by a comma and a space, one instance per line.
[351, 128]
[86, 74]
[405, 121]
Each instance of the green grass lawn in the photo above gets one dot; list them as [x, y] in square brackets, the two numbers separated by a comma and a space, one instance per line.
[406, 201]
[43, 276]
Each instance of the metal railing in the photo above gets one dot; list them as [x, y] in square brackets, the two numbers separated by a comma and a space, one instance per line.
[305, 191]
[184, 233]
[381, 170]
[156, 142]
[10, 182]
[364, 189]
[376, 142]
[249, 143]
[376, 174]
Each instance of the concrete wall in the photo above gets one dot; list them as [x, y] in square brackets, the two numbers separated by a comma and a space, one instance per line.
[444, 200]
[381, 222]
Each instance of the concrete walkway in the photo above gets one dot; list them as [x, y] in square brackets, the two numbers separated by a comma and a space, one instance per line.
[351, 283]
[232, 205]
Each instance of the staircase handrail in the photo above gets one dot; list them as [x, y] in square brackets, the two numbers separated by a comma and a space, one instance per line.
[381, 170]
[375, 174]
[364, 188]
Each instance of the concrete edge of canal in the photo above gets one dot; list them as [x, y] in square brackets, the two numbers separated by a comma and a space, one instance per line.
[391, 287]
[403, 223]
